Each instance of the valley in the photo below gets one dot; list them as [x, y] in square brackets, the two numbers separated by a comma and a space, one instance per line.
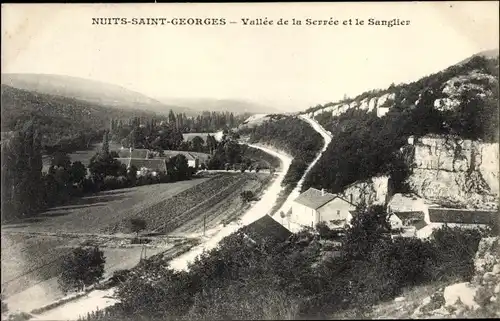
[340, 167]
[176, 213]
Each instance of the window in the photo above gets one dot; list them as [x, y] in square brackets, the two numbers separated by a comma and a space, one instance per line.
[338, 212]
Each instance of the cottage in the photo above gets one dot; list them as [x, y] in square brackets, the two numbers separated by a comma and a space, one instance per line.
[144, 166]
[314, 206]
[193, 158]
[266, 230]
[414, 219]
[463, 218]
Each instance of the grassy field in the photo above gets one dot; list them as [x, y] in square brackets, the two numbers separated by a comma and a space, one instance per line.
[91, 214]
[218, 198]
[31, 250]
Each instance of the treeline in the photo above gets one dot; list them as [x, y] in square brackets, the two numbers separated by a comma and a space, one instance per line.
[298, 279]
[292, 135]
[364, 145]
[26, 190]
[165, 132]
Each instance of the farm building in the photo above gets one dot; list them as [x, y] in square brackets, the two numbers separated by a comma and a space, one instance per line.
[314, 206]
[193, 158]
[144, 166]
[266, 230]
[463, 218]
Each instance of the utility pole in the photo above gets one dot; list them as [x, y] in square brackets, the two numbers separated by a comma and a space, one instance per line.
[204, 223]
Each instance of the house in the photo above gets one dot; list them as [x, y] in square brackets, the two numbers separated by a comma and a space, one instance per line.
[314, 206]
[414, 219]
[144, 165]
[193, 158]
[265, 230]
[452, 217]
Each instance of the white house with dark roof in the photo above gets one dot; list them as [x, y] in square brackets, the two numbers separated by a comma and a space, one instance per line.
[314, 206]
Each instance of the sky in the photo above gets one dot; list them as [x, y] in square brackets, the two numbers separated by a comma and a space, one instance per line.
[291, 67]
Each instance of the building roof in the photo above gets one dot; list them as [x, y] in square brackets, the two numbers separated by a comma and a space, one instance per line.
[157, 165]
[136, 153]
[404, 203]
[410, 215]
[172, 153]
[266, 228]
[313, 198]
[462, 216]
[420, 224]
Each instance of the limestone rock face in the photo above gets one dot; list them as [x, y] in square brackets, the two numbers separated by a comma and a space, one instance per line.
[371, 192]
[456, 172]
[372, 104]
[364, 104]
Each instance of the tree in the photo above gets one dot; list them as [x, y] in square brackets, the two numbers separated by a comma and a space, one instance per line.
[21, 173]
[77, 173]
[179, 167]
[104, 165]
[83, 267]
[197, 144]
[105, 143]
[137, 225]
[132, 174]
[61, 160]
[369, 226]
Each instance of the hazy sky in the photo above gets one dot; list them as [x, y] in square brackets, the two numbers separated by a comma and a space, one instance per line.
[290, 66]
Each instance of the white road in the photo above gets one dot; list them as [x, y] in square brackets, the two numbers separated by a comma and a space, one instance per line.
[296, 191]
[259, 209]
[72, 310]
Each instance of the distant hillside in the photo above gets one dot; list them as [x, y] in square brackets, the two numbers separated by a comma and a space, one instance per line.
[229, 105]
[59, 119]
[493, 53]
[90, 91]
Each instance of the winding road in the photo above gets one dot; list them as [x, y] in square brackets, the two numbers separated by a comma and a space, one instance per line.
[296, 191]
[262, 207]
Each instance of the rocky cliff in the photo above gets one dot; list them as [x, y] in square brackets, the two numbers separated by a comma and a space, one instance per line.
[454, 172]
[371, 192]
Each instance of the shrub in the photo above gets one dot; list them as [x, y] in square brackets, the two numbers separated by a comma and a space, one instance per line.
[247, 196]
[137, 225]
[119, 276]
[325, 232]
[83, 267]
[454, 251]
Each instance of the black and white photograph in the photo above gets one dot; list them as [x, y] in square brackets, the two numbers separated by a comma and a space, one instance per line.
[250, 161]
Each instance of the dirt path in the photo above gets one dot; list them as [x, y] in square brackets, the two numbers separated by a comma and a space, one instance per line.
[260, 208]
[296, 191]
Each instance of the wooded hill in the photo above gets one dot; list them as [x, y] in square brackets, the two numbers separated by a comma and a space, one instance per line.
[364, 145]
[65, 122]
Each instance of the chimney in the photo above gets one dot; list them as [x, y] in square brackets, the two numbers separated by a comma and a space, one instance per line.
[322, 192]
